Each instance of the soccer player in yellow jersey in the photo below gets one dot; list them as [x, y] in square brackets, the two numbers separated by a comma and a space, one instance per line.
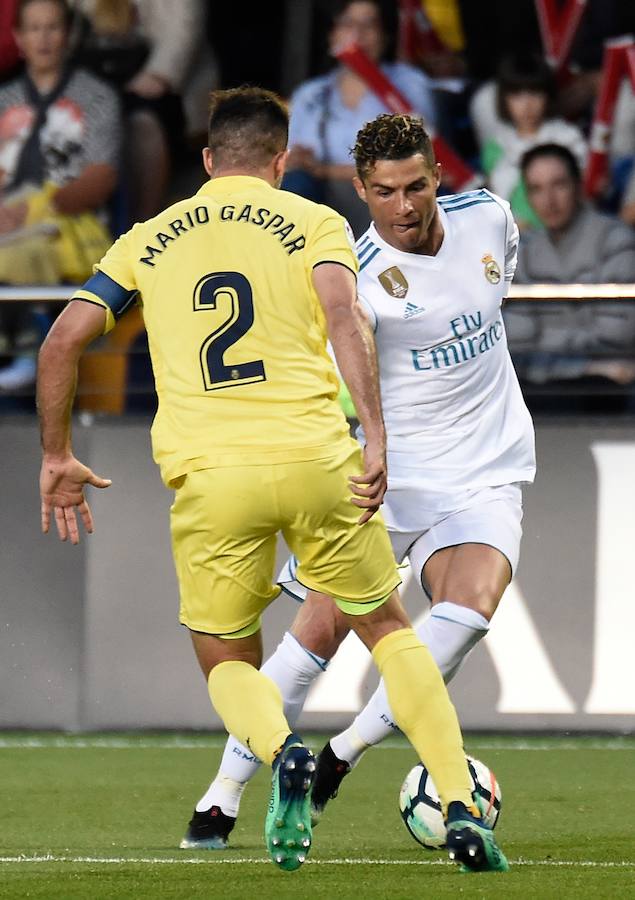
[240, 286]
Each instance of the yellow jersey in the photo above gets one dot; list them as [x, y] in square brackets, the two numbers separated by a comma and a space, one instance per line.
[236, 332]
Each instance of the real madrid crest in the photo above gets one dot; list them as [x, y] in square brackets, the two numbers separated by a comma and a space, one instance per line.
[394, 282]
[492, 269]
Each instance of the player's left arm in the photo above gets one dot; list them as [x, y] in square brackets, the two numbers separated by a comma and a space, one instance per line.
[332, 259]
[354, 350]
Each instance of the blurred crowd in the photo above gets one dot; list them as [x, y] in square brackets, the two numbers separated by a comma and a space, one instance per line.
[103, 111]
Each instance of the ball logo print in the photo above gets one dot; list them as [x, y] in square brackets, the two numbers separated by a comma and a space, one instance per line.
[421, 808]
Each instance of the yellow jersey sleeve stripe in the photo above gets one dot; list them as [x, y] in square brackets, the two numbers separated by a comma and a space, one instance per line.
[337, 262]
[330, 241]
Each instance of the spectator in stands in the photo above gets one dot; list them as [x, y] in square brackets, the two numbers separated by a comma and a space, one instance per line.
[157, 56]
[327, 112]
[576, 245]
[59, 145]
[490, 24]
[524, 118]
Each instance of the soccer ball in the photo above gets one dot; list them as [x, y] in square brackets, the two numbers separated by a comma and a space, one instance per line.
[421, 808]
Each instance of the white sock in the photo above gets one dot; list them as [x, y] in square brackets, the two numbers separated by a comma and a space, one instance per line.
[237, 766]
[225, 791]
[293, 668]
[449, 632]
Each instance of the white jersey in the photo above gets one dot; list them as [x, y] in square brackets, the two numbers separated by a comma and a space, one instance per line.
[455, 416]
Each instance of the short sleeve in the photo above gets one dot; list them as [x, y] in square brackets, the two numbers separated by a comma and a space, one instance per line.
[511, 238]
[113, 284]
[368, 311]
[332, 241]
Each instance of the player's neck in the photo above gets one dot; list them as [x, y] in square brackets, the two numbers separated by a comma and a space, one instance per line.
[433, 239]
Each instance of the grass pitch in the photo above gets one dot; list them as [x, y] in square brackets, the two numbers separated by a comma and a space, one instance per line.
[101, 816]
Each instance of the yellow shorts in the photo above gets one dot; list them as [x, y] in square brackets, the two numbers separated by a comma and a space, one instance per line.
[224, 523]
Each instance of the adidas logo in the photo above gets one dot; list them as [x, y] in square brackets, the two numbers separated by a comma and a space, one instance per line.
[412, 310]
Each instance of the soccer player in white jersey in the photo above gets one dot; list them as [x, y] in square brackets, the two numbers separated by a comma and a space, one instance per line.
[433, 277]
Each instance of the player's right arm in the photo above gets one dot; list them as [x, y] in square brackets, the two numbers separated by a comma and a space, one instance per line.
[354, 349]
[62, 476]
[92, 311]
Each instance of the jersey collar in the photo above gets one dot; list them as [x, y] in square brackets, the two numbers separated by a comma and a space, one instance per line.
[416, 258]
[224, 183]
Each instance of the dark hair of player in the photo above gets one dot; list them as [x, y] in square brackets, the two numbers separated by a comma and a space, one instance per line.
[552, 151]
[247, 127]
[391, 137]
[525, 72]
[63, 5]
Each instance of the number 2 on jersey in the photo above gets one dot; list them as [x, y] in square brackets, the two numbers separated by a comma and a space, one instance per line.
[216, 374]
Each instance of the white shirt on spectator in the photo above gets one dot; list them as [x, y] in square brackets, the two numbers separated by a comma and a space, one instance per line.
[321, 122]
[505, 175]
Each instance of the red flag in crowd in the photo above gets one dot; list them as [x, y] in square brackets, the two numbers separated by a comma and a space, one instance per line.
[457, 174]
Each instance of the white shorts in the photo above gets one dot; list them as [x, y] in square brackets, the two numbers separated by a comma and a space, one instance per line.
[489, 515]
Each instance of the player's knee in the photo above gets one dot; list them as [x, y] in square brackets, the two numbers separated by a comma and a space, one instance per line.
[320, 626]
[485, 601]
[371, 627]
[482, 598]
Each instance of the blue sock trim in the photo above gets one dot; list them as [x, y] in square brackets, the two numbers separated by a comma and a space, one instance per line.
[454, 621]
[322, 663]
[475, 620]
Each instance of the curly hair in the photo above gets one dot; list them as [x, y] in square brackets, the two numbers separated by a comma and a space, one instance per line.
[391, 137]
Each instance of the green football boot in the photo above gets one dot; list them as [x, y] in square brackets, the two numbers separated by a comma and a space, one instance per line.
[471, 843]
[288, 822]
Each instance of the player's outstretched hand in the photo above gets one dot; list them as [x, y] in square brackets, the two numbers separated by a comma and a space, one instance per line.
[369, 487]
[62, 482]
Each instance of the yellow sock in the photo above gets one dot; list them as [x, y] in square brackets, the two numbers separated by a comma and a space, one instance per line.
[250, 705]
[422, 708]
